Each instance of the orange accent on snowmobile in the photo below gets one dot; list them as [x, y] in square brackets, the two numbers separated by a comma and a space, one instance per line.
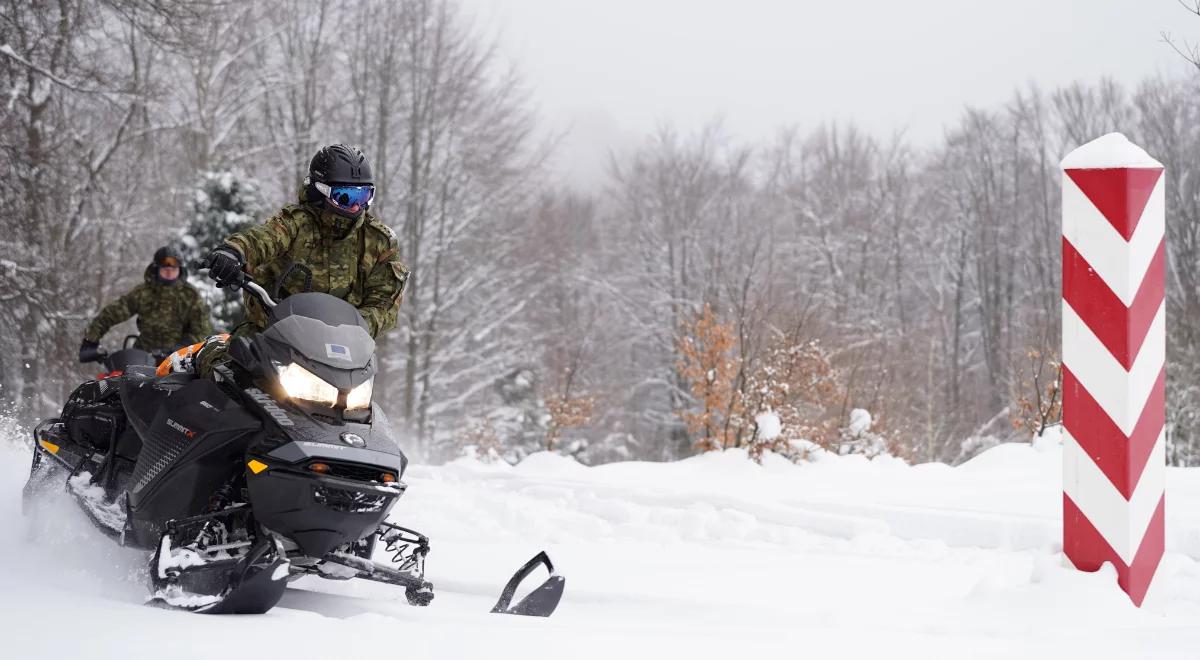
[187, 352]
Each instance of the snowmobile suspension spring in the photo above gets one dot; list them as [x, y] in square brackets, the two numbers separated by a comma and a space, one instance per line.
[220, 498]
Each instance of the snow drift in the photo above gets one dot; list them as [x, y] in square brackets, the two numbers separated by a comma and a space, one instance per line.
[710, 557]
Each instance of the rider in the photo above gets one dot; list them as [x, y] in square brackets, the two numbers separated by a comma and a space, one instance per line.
[170, 311]
[347, 250]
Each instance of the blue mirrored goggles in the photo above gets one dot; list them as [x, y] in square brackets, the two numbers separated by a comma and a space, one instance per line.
[347, 198]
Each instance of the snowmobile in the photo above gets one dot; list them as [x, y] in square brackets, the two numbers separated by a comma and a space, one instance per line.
[279, 466]
[115, 363]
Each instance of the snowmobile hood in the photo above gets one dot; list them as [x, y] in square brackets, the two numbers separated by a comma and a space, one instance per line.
[323, 329]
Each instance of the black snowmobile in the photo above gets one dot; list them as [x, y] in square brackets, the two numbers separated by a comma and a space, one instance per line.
[116, 362]
[280, 466]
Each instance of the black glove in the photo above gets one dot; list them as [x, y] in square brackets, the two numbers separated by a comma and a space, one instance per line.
[224, 265]
[89, 351]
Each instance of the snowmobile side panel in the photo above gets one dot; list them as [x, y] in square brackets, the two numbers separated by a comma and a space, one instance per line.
[194, 444]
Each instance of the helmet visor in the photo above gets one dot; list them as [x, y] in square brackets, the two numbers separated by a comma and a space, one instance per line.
[347, 198]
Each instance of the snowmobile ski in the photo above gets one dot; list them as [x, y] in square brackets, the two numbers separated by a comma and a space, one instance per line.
[541, 601]
[220, 571]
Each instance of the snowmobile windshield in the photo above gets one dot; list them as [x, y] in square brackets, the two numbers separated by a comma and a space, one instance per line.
[321, 352]
[324, 329]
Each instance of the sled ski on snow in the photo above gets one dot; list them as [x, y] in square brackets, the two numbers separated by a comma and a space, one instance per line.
[541, 601]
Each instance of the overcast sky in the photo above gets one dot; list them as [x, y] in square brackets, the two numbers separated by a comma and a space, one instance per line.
[609, 71]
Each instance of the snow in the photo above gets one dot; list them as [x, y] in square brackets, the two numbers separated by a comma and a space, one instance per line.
[860, 421]
[111, 514]
[769, 425]
[1108, 151]
[711, 557]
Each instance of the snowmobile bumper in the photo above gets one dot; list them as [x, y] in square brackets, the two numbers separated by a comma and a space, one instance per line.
[318, 511]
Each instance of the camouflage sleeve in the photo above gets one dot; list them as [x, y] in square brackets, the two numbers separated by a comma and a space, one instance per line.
[199, 322]
[113, 313]
[264, 242]
[383, 291]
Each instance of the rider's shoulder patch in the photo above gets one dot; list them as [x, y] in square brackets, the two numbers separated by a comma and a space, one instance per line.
[377, 224]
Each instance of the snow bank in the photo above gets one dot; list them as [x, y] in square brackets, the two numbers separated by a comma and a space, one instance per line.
[1108, 151]
[711, 557]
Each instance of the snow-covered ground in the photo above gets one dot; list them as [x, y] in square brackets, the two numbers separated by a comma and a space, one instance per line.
[712, 557]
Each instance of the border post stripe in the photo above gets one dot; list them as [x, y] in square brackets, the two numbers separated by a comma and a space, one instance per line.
[1114, 361]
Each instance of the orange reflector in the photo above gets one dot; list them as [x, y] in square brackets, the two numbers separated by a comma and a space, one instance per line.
[50, 446]
[319, 468]
[387, 478]
[256, 466]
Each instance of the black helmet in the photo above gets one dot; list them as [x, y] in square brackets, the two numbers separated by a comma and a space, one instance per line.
[339, 163]
[169, 257]
[335, 165]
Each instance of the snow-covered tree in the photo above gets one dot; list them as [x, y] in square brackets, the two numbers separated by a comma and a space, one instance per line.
[857, 438]
[517, 425]
[222, 203]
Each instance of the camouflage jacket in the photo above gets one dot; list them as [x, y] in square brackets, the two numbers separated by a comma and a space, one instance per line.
[355, 260]
[169, 315]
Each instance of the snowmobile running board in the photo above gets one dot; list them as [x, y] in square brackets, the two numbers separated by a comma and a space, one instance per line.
[541, 601]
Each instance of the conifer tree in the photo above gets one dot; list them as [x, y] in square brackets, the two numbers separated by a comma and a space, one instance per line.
[223, 203]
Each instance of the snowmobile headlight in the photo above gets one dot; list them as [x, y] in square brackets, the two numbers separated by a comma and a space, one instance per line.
[359, 398]
[300, 383]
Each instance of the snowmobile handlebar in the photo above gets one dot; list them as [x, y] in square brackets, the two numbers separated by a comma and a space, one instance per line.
[253, 288]
[258, 292]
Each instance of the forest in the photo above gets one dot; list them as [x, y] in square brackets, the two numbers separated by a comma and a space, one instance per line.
[825, 288]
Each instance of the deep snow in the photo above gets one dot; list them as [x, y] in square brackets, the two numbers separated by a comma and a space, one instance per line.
[711, 557]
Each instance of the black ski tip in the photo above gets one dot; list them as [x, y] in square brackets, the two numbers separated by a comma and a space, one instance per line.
[541, 601]
[256, 594]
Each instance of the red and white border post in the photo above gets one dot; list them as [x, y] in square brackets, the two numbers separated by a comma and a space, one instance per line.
[1114, 360]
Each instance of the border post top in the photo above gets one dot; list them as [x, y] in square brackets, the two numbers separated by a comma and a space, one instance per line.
[1111, 151]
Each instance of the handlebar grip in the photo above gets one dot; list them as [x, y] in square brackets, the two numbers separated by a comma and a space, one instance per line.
[253, 288]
